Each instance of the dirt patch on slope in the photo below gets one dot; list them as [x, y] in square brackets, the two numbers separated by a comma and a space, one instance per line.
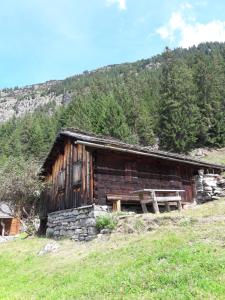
[148, 222]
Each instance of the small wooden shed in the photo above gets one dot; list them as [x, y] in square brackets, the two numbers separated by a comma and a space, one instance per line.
[9, 224]
[84, 169]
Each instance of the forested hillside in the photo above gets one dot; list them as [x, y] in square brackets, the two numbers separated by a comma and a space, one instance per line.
[176, 99]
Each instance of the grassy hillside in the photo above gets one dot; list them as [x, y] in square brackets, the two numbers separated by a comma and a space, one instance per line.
[177, 260]
[216, 156]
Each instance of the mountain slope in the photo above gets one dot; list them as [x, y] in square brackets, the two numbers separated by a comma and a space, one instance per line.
[176, 99]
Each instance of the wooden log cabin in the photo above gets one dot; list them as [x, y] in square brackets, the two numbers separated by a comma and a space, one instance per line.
[9, 224]
[83, 169]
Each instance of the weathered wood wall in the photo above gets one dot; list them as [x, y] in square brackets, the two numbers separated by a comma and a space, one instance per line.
[119, 173]
[71, 183]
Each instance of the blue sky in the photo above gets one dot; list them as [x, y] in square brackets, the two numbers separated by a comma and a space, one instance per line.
[54, 39]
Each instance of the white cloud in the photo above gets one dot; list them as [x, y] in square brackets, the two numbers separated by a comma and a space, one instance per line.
[175, 23]
[186, 5]
[188, 32]
[121, 3]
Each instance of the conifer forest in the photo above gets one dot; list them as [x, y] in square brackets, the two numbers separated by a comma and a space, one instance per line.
[175, 99]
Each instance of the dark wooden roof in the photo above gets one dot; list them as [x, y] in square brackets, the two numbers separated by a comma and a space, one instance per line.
[96, 141]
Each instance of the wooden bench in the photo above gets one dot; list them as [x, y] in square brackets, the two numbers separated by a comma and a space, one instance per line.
[117, 199]
[149, 196]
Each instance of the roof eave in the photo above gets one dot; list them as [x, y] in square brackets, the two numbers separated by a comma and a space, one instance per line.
[110, 142]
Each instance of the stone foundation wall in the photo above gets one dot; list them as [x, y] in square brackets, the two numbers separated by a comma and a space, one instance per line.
[78, 224]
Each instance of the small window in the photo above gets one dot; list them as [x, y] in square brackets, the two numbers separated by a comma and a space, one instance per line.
[77, 173]
[61, 179]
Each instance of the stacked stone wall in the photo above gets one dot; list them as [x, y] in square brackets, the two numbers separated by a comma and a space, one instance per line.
[209, 187]
[78, 224]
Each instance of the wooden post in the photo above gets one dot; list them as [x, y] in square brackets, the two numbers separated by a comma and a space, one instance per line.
[168, 206]
[117, 205]
[179, 206]
[143, 205]
[155, 203]
[3, 228]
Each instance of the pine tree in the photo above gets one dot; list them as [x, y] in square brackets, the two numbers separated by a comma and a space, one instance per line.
[111, 119]
[217, 98]
[209, 75]
[178, 111]
[36, 142]
[202, 79]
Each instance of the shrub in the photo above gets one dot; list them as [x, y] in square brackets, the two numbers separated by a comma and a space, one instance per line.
[105, 222]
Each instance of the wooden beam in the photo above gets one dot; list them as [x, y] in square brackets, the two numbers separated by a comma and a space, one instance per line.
[168, 198]
[142, 151]
[145, 201]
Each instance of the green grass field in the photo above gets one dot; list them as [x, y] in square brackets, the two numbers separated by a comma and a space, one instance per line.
[216, 156]
[185, 261]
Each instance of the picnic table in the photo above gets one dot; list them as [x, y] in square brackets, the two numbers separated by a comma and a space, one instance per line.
[166, 196]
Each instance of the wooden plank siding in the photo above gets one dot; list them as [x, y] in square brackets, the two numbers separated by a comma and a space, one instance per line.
[73, 192]
[117, 173]
[15, 226]
[12, 226]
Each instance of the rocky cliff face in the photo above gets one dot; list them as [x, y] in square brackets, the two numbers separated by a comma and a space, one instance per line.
[18, 101]
[15, 102]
